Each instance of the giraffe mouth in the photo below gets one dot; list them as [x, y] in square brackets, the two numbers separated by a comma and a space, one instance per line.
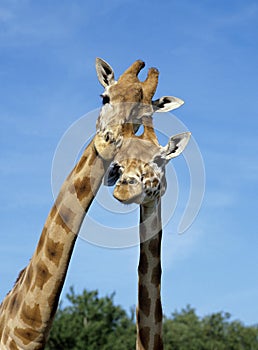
[135, 199]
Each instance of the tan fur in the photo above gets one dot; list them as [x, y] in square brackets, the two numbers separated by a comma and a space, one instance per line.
[27, 312]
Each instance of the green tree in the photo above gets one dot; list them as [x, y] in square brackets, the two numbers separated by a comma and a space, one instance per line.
[91, 323]
[241, 337]
[185, 330]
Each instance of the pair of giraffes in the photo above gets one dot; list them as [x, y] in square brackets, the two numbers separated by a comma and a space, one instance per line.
[137, 165]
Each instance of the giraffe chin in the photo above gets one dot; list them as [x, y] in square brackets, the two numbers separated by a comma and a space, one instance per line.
[135, 199]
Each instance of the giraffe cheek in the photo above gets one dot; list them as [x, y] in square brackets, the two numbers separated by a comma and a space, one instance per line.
[136, 192]
[120, 194]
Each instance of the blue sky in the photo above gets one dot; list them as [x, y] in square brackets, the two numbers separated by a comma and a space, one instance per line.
[207, 54]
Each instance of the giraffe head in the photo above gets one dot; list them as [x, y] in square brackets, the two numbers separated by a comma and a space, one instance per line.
[126, 100]
[139, 168]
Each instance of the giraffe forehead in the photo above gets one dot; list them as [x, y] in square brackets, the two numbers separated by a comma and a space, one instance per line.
[138, 150]
[133, 167]
[125, 92]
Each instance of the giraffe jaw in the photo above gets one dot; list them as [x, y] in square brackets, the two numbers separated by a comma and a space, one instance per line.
[107, 145]
[137, 199]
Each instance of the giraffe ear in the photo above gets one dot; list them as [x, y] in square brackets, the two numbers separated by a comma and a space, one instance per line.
[174, 148]
[105, 72]
[167, 103]
[176, 145]
[113, 173]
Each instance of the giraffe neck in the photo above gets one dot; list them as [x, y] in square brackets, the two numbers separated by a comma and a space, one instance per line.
[27, 312]
[149, 309]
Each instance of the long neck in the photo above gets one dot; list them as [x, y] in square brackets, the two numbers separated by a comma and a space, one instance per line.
[27, 312]
[149, 309]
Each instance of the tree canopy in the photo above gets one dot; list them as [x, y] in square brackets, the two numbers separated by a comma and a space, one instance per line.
[92, 322]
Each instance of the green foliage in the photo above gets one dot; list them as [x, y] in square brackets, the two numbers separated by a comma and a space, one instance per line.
[183, 331]
[92, 323]
[186, 331]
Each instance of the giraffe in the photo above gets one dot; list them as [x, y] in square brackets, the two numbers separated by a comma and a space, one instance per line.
[27, 312]
[139, 173]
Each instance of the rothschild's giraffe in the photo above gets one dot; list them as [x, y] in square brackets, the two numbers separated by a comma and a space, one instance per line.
[139, 173]
[27, 312]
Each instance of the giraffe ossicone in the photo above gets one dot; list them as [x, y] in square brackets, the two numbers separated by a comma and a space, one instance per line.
[126, 100]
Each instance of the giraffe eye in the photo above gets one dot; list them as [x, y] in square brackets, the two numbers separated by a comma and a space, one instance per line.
[132, 181]
[105, 99]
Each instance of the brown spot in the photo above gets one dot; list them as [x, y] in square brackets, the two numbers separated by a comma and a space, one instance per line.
[154, 247]
[31, 315]
[143, 264]
[155, 182]
[26, 335]
[67, 216]
[144, 334]
[20, 276]
[42, 275]
[53, 212]
[144, 300]
[158, 311]
[156, 275]
[80, 164]
[59, 200]
[13, 346]
[138, 318]
[147, 183]
[158, 343]
[15, 303]
[59, 214]
[60, 222]
[1, 328]
[134, 162]
[85, 161]
[82, 188]
[53, 299]
[71, 188]
[28, 277]
[54, 251]
[92, 158]
[41, 240]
